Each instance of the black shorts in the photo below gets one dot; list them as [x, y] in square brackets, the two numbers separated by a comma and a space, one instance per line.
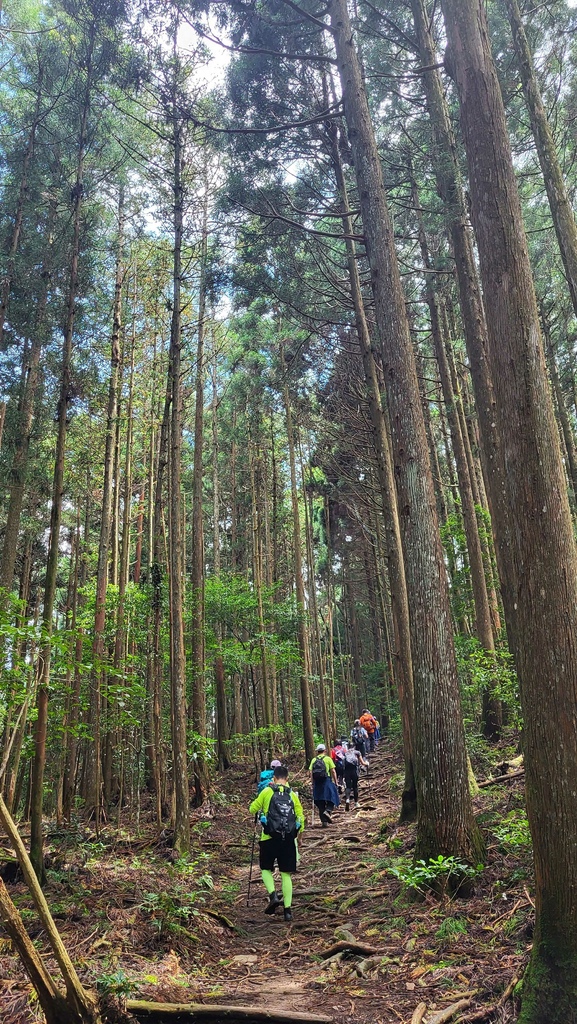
[284, 851]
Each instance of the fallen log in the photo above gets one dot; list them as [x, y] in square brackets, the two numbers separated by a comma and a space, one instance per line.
[501, 778]
[199, 1011]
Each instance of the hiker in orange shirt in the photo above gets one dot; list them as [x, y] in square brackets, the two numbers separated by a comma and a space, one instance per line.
[369, 723]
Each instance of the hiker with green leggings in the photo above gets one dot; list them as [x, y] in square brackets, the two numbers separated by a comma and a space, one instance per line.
[282, 818]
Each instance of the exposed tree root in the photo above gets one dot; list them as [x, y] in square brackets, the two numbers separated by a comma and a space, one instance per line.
[444, 1015]
[346, 946]
[198, 1011]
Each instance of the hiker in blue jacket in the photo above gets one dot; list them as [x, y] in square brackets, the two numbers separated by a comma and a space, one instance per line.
[324, 777]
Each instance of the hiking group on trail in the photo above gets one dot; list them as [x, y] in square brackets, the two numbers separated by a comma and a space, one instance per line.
[280, 812]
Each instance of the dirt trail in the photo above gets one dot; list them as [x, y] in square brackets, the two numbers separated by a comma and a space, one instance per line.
[173, 933]
[278, 965]
[461, 954]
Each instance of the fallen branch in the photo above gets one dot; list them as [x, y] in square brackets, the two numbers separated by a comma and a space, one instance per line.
[479, 1015]
[488, 1011]
[201, 1012]
[509, 990]
[528, 897]
[500, 778]
[346, 946]
[441, 1016]
[448, 1012]
[220, 917]
[419, 1013]
[79, 1005]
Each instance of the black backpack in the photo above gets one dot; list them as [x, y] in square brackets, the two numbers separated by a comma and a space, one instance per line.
[357, 735]
[319, 769]
[281, 819]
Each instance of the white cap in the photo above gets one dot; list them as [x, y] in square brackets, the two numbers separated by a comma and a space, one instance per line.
[321, 746]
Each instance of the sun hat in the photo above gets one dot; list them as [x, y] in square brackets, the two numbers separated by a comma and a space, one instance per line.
[276, 764]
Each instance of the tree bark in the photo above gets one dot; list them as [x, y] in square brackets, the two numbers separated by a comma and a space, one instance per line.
[96, 682]
[43, 665]
[536, 539]
[445, 823]
[175, 538]
[32, 376]
[198, 703]
[450, 189]
[6, 283]
[219, 679]
[308, 732]
[559, 201]
[395, 563]
[492, 713]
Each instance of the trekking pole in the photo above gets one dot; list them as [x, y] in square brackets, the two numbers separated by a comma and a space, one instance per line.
[251, 860]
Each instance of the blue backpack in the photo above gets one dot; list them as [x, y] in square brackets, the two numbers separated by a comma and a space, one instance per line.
[265, 778]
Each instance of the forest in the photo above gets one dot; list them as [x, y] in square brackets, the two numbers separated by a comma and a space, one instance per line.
[288, 434]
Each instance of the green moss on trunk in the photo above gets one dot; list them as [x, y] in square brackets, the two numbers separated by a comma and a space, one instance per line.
[549, 993]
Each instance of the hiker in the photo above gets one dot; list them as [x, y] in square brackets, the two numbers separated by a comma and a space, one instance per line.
[282, 819]
[359, 737]
[325, 792]
[266, 775]
[369, 722]
[338, 756]
[353, 760]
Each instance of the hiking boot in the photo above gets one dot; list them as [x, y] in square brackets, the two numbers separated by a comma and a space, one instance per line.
[347, 805]
[274, 901]
[288, 914]
[328, 818]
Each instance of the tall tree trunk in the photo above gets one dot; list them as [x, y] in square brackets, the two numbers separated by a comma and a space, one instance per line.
[219, 682]
[564, 421]
[330, 608]
[308, 732]
[198, 704]
[445, 823]
[43, 665]
[158, 571]
[122, 627]
[536, 539]
[328, 735]
[96, 682]
[557, 194]
[6, 282]
[175, 538]
[396, 567]
[450, 188]
[19, 467]
[72, 718]
[492, 712]
[257, 581]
